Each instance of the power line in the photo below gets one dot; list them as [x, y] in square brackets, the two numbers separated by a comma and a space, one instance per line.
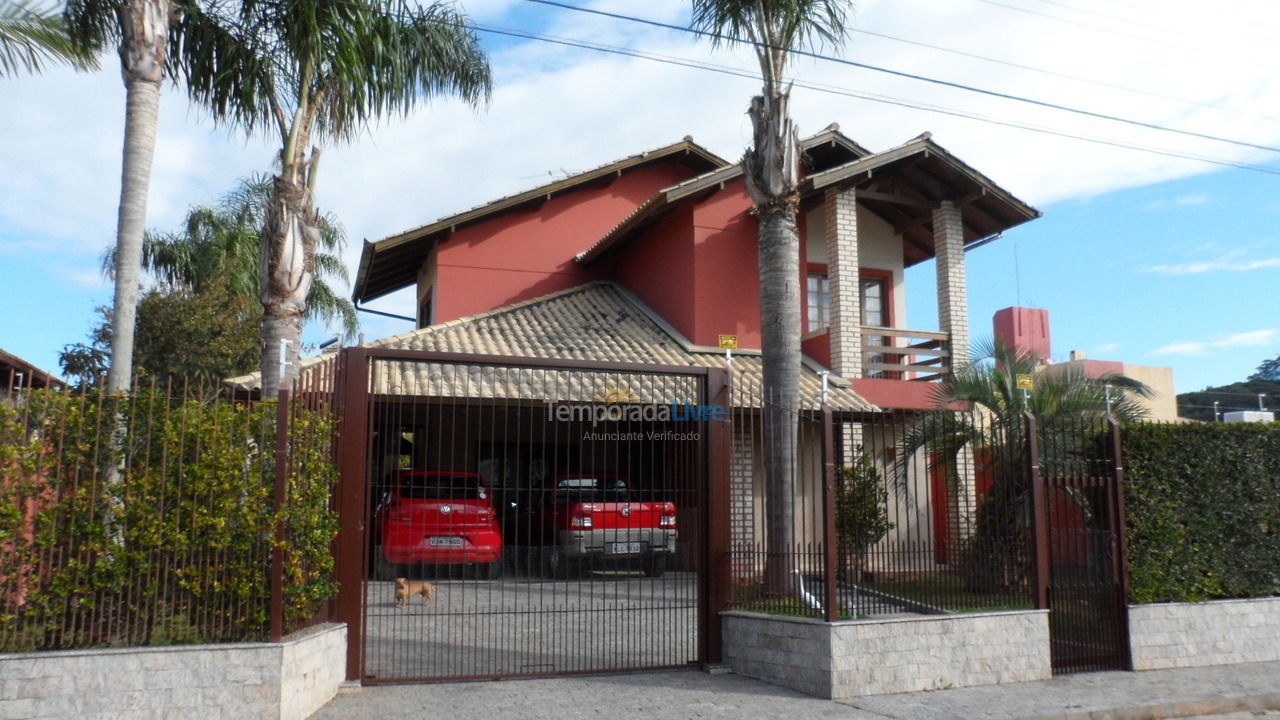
[1098, 28]
[883, 99]
[917, 77]
[1065, 76]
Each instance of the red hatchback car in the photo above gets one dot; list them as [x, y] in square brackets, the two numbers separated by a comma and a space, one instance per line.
[438, 517]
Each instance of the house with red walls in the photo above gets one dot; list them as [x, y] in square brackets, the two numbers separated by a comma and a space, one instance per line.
[672, 228]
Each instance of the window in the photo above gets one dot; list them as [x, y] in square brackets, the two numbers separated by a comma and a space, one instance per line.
[875, 312]
[819, 302]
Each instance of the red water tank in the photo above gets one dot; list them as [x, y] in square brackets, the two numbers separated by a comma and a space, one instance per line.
[1026, 329]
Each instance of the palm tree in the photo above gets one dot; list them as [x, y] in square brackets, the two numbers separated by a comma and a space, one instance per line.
[982, 411]
[140, 31]
[317, 71]
[222, 245]
[33, 34]
[771, 168]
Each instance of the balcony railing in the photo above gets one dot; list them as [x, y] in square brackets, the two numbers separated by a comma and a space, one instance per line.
[897, 354]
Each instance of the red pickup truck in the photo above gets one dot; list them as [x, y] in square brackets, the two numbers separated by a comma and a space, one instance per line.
[596, 520]
[438, 518]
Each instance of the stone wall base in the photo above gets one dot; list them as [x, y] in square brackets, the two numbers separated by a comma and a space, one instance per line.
[289, 680]
[873, 657]
[1218, 632]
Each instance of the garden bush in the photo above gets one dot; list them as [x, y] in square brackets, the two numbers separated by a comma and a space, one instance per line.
[163, 534]
[1203, 505]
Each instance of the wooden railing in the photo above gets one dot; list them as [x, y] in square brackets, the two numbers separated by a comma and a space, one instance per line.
[894, 353]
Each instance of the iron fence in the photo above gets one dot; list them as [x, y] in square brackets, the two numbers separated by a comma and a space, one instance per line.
[890, 512]
[174, 513]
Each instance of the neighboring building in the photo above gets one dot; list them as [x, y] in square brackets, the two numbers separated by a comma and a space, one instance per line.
[1028, 329]
[16, 374]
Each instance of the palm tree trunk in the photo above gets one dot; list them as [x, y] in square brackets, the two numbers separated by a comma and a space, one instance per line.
[771, 171]
[288, 258]
[780, 345]
[145, 26]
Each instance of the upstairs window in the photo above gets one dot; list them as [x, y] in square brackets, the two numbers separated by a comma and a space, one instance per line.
[819, 302]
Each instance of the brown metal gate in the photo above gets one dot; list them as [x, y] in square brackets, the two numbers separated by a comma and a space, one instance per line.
[1078, 481]
[555, 513]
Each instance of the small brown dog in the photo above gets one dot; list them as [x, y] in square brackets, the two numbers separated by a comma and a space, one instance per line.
[406, 590]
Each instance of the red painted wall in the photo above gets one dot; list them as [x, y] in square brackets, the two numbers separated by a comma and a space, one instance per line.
[658, 267]
[527, 253]
[727, 269]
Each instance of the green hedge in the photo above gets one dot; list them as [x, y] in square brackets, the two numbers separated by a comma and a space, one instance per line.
[1203, 511]
[175, 545]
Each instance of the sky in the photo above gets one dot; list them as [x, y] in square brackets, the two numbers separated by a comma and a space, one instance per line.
[1139, 257]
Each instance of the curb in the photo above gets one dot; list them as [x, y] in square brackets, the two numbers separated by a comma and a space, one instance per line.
[1189, 708]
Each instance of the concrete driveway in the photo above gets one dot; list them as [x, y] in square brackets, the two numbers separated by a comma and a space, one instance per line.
[523, 625]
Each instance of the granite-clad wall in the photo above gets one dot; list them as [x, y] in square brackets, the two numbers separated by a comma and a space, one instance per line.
[1218, 632]
[288, 681]
[872, 657]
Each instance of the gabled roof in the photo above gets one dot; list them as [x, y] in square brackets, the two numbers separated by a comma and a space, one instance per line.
[597, 321]
[906, 183]
[392, 263]
[825, 149]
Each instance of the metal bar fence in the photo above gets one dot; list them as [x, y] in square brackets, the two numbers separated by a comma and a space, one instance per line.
[922, 512]
[149, 518]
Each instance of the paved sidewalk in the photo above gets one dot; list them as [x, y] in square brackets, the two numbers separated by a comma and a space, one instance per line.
[692, 694]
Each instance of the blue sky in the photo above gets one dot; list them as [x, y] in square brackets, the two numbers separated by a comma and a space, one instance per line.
[1139, 257]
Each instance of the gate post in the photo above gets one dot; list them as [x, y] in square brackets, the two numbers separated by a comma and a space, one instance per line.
[830, 543]
[716, 581]
[1039, 516]
[1120, 524]
[352, 385]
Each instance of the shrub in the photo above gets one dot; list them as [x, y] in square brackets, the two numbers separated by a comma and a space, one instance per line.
[1203, 507]
[174, 545]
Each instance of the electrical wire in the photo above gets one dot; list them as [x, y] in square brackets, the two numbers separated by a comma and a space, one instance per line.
[917, 77]
[883, 99]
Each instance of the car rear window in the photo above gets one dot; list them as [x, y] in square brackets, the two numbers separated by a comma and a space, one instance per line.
[440, 487]
[587, 489]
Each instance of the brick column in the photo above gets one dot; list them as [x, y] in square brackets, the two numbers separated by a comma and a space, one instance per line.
[953, 290]
[841, 211]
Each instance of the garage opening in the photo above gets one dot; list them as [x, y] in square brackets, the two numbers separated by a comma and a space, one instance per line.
[528, 518]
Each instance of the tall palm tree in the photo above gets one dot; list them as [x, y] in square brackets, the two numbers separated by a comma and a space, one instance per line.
[318, 71]
[222, 245]
[771, 168]
[33, 34]
[140, 31]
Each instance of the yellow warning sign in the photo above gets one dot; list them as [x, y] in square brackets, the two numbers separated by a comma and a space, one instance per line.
[1025, 382]
[729, 342]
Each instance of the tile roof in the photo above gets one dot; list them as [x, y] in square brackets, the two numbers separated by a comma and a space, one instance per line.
[598, 321]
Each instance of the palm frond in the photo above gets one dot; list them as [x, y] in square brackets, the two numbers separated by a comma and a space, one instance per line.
[34, 34]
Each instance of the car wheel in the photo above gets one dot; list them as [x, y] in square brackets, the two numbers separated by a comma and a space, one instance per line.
[383, 570]
[655, 565]
[559, 565]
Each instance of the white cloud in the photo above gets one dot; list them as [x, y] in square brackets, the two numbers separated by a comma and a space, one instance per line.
[1228, 262]
[1106, 348]
[1253, 338]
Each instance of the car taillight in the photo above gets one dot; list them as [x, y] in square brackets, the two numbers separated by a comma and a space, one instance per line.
[581, 518]
[488, 513]
[667, 521]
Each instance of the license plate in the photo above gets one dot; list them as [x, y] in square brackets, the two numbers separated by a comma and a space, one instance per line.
[624, 548]
[446, 542]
